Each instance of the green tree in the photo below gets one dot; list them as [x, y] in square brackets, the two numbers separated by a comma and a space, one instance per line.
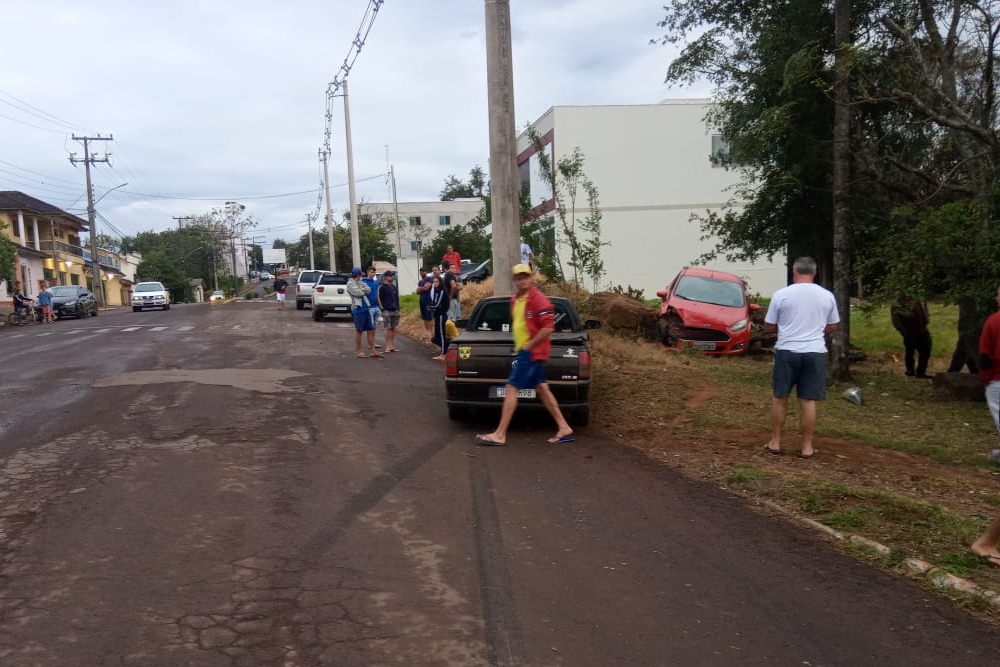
[158, 265]
[569, 182]
[8, 259]
[455, 188]
[470, 243]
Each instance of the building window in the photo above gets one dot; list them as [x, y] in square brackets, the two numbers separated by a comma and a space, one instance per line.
[415, 221]
[720, 150]
[415, 246]
[444, 219]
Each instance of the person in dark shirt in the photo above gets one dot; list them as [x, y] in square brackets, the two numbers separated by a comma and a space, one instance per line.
[909, 318]
[388, 302]
[21, 304]
[280, 285]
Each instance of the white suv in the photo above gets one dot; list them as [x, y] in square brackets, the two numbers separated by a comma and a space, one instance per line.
[329, 296]
[150, 295]
[304, 287]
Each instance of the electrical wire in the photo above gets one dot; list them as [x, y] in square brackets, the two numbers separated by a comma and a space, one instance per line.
[42, 114]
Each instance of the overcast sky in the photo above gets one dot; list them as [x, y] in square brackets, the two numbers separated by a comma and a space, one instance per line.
[211, 101]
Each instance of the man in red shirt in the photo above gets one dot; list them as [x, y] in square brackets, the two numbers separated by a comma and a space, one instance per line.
[452, 256]
[985, 545]
[533, 318]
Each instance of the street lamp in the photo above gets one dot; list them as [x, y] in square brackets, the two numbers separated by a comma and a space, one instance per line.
[95, 260]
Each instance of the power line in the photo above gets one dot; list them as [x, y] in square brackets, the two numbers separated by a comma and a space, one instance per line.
[44, 113]
[352, 55]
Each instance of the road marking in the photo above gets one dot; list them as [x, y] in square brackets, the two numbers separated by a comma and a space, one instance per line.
[186, 327]
[47, 333]
[157, 328]
[131, 329]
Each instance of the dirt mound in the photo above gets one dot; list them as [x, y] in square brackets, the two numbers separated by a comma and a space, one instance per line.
[623, 313]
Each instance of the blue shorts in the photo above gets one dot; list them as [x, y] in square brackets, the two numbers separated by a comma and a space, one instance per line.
[362, 320]
[525, 373]
[425, 312]
[806, 371]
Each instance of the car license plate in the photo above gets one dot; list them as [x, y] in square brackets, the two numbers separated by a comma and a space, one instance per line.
[500, 392]
[342, 308]
[704, 345]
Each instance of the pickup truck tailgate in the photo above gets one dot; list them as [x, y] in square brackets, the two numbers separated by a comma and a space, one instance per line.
[483, 362]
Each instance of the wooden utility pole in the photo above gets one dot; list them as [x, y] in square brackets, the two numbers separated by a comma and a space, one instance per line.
[841, 190]
[505, 211]
[95, 261]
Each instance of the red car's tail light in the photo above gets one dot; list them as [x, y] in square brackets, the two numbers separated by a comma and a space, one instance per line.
[584, 365]
[451, 363]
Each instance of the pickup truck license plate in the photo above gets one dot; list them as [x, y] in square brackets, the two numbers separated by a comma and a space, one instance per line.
[704, 345]
[343, 309]
[500, 392]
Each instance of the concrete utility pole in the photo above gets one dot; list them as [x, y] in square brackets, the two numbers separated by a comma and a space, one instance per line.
[329, 209]
[395, 214]
[504, 175]
[355, 236]
[312, 253]
[95, 261]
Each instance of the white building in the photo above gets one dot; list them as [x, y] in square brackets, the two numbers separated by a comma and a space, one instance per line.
[650, 164]
[419, 224]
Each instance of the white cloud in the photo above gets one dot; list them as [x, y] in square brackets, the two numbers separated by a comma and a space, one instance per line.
[213, 99]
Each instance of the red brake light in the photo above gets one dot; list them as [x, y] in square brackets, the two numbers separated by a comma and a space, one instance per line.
[584, 365]
[318, 288]
[451, 363]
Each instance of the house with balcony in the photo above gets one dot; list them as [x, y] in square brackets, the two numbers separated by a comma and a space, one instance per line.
[50, 248]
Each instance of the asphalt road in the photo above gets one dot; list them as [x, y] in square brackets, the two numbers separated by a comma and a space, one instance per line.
[228, 485]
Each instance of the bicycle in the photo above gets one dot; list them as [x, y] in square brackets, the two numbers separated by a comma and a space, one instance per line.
[32, 315]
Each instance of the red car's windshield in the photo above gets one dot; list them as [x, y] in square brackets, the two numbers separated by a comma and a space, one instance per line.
[710, 290]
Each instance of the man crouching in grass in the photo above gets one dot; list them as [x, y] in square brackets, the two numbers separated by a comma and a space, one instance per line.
[533, 317]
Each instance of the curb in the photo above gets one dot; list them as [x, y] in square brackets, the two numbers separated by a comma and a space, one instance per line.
[936, 577]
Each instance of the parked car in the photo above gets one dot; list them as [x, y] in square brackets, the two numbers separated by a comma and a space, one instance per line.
[707, 310]
[150, 294]
[217, 295]
[330, 297]
[304, 287]
[478, 360]
[474, 273]
[73, 301]
[265, 275]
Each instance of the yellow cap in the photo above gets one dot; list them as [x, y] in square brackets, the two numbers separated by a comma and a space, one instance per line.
[522, 268]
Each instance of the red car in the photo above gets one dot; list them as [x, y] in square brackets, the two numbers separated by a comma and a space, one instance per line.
[707, 310]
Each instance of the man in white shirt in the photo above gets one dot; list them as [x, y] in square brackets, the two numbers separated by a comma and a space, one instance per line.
[802, 314]
[527, 257]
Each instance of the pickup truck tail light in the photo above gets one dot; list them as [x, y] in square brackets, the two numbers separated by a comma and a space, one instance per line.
[318, 288]
[451, 363]
[584, 365]
[298, 288]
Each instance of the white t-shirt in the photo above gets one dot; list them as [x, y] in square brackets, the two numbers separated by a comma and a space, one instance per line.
[802, 311]
[525, 253]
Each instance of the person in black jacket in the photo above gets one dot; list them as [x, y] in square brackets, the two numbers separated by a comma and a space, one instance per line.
[909, 318]
[439, 307]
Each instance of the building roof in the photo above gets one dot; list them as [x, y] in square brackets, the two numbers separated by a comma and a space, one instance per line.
[12, 200]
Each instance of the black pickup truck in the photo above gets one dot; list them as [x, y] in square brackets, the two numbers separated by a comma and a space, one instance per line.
[478, 360]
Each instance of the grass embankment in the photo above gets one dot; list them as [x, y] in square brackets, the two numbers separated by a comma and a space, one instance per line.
[908, 468]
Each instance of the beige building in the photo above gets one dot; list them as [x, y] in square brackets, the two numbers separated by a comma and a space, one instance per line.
[418, 224]
[651, 166]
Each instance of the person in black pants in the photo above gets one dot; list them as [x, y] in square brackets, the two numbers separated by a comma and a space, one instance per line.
[909, 318]
[439, 307]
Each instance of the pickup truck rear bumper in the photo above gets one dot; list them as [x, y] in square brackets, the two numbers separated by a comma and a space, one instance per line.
[478, 395]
